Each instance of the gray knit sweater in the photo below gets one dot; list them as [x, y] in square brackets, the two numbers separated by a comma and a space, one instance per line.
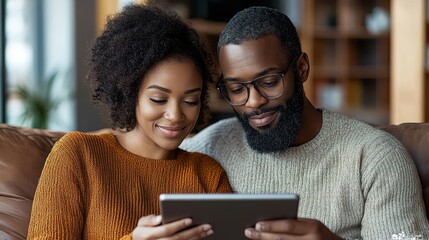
[357, 180]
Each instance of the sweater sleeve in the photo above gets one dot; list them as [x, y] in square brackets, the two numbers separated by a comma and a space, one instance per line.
[58, 206]
[214, 176]
[393, 196]
[126, 237]
[224, 185]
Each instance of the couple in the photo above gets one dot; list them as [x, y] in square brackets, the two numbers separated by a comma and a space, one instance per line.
[152, 72]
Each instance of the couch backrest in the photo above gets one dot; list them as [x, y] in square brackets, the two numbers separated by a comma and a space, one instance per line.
[415, 138]
[22, 155]
[23, 152]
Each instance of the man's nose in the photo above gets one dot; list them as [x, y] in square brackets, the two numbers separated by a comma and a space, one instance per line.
[255, 99]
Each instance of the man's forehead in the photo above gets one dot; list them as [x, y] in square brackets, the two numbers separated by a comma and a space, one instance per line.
[265, 52]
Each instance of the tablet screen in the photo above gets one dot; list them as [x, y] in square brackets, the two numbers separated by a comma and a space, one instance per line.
[229, 214]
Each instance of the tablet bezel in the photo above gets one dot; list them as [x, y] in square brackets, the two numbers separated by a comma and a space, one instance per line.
[229, 214]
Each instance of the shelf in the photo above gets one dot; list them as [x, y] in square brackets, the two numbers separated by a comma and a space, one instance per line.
[328, 72]
[350, 66]
[373, 116]
[332, 33]
[352, 72]
[208, 27]
[369, 72]
[363, 34]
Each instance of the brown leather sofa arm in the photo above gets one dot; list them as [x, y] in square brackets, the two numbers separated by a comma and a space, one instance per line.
[22, 156]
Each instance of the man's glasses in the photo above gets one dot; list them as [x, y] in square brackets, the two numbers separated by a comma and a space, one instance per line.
[270, 86]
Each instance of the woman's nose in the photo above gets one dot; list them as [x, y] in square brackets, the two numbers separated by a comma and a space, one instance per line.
[174, 113]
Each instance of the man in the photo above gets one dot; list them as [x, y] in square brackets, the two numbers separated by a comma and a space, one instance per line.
[354, 181]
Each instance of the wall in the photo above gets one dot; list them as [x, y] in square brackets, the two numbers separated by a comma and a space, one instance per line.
[88, 117]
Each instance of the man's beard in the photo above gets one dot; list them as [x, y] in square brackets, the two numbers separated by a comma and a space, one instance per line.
[281, 136]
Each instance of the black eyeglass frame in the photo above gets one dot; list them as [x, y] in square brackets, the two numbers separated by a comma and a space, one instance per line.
[282, 74]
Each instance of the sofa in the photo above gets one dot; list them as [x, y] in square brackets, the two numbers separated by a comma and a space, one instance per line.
[23, 152]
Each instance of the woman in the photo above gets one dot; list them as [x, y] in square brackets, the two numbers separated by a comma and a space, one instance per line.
[149, 69]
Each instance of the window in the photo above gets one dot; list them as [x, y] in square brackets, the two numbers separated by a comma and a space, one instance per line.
[18, 55]
[39, 44]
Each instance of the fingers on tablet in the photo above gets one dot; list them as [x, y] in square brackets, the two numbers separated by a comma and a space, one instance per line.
[194, 233]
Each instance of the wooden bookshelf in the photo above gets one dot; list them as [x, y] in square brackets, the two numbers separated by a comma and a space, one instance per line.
[350, 66]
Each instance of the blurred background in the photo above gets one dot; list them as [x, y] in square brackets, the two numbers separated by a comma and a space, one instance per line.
[368, 57]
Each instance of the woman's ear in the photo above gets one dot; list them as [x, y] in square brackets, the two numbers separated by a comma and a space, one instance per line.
[303, 67]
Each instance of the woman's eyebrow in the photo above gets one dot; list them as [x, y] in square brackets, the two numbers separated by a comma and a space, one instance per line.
[169, 91]
[159, 88]
[193, 90]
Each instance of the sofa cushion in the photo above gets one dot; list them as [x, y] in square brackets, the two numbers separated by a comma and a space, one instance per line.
[22, 155]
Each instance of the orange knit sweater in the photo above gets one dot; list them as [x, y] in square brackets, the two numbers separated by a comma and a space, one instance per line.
[92, 188]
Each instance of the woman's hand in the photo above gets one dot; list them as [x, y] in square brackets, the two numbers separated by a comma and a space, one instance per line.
[149, 227]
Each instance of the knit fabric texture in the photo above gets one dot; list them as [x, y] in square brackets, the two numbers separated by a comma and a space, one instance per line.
[357, 180]
[93, 188]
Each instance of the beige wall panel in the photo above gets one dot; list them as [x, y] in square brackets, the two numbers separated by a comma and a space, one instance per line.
[407, 62]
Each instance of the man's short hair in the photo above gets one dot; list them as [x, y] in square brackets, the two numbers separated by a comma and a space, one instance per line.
[256, 22]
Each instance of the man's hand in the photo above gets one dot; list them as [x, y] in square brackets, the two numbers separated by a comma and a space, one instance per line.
[302, 228]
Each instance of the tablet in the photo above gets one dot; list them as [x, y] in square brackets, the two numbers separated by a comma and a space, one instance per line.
[229, 214]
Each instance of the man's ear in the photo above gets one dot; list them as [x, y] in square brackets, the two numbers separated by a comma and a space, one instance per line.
[303, 67]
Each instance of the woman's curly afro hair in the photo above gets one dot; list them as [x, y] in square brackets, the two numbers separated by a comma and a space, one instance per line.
[134, 40]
